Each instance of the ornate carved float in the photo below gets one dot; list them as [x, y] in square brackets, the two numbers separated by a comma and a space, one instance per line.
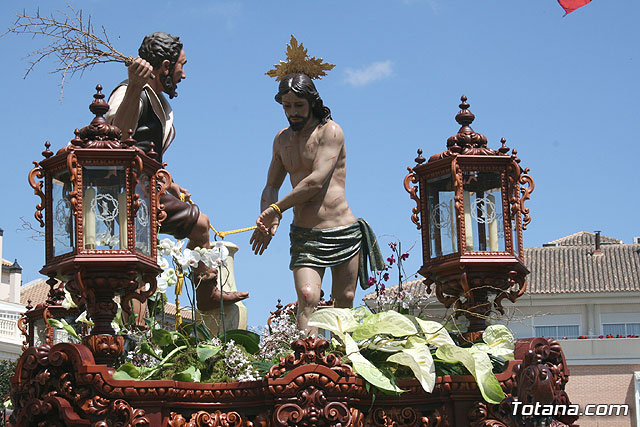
[72, 384]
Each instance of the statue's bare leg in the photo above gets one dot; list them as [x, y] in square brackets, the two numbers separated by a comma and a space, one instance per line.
[344, 279]
[308, 281]
[208, 292]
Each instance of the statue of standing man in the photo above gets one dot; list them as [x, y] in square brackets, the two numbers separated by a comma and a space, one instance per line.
[324, 232]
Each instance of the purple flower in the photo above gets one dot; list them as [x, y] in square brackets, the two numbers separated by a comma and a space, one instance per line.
[382, 287]
[391, 260]
[404, 256]
[372, 281]
[385, 276]
[393, 245]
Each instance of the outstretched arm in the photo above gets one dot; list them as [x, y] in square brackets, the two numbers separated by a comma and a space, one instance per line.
[268, 224]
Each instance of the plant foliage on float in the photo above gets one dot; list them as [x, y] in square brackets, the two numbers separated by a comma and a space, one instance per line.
[382, 346]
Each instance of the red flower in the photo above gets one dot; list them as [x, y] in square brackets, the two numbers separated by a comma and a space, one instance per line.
[372, 281]
[385, 276]
[391, 260]
[404, 256]
[393, 245]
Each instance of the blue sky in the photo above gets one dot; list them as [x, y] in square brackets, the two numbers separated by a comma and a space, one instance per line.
[561, 90]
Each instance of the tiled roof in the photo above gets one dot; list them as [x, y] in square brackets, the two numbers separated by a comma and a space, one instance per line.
[573, 266]
[38, 290]
[6, 262]
[584, 238]
[414, 287]
[566, 269]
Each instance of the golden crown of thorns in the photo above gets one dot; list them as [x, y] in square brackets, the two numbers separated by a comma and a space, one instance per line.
[298, 61]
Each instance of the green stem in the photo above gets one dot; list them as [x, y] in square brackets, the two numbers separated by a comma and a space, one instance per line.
[163, 361]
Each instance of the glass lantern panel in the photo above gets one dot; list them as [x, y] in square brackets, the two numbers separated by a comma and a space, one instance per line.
[483, 221]
[104, 207]
[63, 228]
[515, 237]
[441, 216]
[143, 218]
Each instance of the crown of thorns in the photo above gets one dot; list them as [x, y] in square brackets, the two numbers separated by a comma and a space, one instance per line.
[298, 61]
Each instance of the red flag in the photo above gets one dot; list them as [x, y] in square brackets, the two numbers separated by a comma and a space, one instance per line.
[571, 5]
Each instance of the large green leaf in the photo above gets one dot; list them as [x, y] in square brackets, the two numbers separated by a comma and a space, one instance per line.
[366, 369]
[499, 342]
[247, 339]
[386, 322]
[435, 333]
[479, 365]
[191, 374]
[206, 351]
[337, 320]
[161, 337]
[385, 344]
[127, 371]
[419, 360]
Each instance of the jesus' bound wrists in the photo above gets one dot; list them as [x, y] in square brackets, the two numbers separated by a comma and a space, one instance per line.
[276, 208]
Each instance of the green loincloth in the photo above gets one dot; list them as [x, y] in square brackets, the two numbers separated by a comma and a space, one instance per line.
[334, 246]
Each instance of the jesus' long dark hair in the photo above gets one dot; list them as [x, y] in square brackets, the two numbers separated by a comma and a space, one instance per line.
[303, 86]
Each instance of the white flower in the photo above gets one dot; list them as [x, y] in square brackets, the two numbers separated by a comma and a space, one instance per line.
[224, 252]
[166, 279]
[83, 318]
[176, 249]
[162, 262]
[189, 258]
[68, 301]
[165, 246]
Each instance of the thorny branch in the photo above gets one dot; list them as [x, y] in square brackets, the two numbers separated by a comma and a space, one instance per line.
[71, 40]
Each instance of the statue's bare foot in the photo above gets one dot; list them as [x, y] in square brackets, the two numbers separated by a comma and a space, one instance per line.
[208, 294]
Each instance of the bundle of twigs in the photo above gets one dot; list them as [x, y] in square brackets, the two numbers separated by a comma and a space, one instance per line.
[71, 40]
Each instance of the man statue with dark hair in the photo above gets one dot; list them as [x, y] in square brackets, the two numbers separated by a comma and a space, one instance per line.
[140, 105]
[324, 232]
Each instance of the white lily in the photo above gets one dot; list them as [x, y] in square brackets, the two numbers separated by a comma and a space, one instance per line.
[68, 303]
[83, 318]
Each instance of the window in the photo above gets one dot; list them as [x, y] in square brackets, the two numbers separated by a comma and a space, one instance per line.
[623, 329]
[558, 332]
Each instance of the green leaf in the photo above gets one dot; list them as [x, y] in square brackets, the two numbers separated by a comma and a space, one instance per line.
[479, 365]
[368, 370]
[435, 333]
[247, 339]
[336, 320]
[145, 348]
[191, 374]
[385, 344]
[127, 371]
[361, 313]
[62, 324]
[386, 322]
[206, 351]
[161, 337]
[499, 342]
[419, 360]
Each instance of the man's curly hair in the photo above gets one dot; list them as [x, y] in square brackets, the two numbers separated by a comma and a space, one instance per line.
[159, 46]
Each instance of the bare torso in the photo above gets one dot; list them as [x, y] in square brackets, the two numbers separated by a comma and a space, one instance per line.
[297, 152]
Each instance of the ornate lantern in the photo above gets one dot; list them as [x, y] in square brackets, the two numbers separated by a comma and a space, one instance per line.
[471, 207]
[101, 203]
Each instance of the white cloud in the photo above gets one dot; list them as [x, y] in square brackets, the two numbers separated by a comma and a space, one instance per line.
[369, 74]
